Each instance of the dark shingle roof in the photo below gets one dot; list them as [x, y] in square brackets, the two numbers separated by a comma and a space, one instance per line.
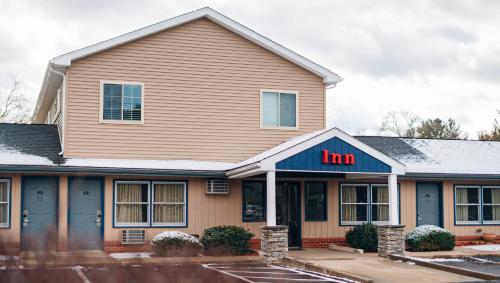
[392, 146]
[34, 139]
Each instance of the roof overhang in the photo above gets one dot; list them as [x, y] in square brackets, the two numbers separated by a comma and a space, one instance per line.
[269, 163]
[63, 61]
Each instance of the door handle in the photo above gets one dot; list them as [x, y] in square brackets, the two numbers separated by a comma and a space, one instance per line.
[25, 218]
[98, 218]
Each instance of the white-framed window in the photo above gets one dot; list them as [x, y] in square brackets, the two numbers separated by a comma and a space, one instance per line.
[122, 102]
[491, 205]
[279, 109]
[169, 204]
[354, 203]
[379, 204]
[132, 204]
[467, 204]
[4, 203]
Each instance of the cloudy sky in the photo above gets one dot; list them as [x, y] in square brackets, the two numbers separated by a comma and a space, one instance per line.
[433, 58]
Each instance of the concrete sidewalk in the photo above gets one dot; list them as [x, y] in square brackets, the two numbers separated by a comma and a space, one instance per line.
[373, 267]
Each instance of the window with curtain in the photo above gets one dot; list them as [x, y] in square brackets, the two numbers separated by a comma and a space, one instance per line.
[379, 203]
[169, 204]
[467, 204]
[354, 203]
[315, 201]
[121, 102]
[279, 109]
[131, 203]
[491, 205]
[254, 201]
[4, 202]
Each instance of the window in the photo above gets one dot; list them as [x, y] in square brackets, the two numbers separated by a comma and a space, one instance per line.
[491, 205]
[467, 204]
[169, 204]
[279, 109]
[4, 202]
[131, 203]
[380, 203]
[254, 201]
[315, 201]
[354, 203]
[122, 102]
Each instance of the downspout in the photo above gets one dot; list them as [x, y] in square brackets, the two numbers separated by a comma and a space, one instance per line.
[63, 118]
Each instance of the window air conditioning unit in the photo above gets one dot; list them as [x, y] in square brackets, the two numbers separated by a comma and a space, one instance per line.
[133, 237]
[220, 187]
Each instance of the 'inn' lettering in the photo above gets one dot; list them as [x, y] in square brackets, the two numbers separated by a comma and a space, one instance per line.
[337, 158]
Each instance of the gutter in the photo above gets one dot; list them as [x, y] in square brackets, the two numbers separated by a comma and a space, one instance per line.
[63, 107]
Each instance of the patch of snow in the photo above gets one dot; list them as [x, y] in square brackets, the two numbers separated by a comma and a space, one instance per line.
[453, 156]
[489, 248]
[435, 259]
[76, 268]
[150, 164]
[12, 156]
[130, 255]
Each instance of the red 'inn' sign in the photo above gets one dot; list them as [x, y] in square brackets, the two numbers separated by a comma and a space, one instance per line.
[337, 158]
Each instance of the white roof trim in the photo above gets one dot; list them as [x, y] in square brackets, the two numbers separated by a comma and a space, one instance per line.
[328, 76]
[268, 163]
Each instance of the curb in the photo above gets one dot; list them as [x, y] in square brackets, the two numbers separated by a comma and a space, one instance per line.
[447, 268]
[296, 263]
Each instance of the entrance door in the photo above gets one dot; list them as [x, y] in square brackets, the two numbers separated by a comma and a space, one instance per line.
[288, 210]
[85, 214]
[428, 204]
[39, 212]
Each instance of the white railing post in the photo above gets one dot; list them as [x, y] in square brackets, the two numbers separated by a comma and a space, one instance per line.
[393, 200]
[271, 198]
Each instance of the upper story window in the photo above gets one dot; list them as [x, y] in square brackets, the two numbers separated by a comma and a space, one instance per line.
[122, 101]
[279, 109]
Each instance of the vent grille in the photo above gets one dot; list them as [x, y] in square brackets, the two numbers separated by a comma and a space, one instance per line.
[133, 237]
[217, 187]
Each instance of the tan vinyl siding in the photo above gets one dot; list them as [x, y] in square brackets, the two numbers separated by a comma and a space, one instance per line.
[201, 97]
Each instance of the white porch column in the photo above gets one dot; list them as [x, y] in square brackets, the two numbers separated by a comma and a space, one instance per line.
[393, 200]
[271, 198]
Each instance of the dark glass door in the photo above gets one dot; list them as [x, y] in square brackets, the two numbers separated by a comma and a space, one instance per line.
[288, 210]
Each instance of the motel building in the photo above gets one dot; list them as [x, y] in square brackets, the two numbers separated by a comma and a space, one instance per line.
[199, 121]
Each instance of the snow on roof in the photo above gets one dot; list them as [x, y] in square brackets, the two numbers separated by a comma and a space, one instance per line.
[194, 165]
[12, 156]
[453, 157]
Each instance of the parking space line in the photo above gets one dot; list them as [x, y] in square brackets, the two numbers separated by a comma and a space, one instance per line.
[227, 273]
[78, 271]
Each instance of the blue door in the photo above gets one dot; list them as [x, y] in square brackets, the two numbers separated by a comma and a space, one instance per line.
[39, 212]
[85, 214]
[428, 204]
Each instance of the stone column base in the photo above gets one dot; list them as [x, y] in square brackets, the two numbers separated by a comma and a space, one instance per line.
[274, 244]
[391, 240]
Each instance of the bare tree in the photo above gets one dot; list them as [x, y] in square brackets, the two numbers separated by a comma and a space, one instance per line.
[493, 134]
[400, 123]
[14, 106]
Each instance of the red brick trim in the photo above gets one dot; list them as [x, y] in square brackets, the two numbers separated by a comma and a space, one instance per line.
[118, 247]
[255, 244]
[472, 240]
[10, 248]
[323, 242]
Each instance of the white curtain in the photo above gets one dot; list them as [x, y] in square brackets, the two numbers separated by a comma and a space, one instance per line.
[382, 209]
[462, 210]
[131, 213]
[349, 195]
[169, 203]
[495, 199]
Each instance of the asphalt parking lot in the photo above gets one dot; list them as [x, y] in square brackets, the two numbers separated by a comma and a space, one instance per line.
[230, 273]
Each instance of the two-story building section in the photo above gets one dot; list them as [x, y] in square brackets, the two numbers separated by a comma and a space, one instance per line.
[199, 121]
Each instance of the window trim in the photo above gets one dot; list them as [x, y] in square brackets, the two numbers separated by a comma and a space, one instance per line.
[325, 192]
[262, 110]
[378, 203]
[488, 222]
[9, 202]
[350, 223]
[479, 206]
[131, 224]
[166, 224]
[101, 103]
[243, 199]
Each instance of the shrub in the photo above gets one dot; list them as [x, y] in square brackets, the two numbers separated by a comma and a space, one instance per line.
[364, 237]
[430, 238]
[232, 240]
[174, 243]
